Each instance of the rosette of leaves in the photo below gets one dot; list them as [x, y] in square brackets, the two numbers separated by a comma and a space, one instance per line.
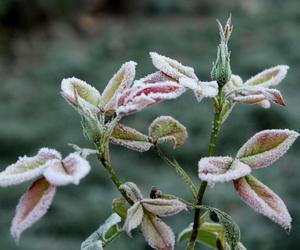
[147, 213]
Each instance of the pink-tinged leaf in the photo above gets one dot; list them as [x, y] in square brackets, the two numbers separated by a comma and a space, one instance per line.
[166, 128]
[77, 92]
[142, 96]
[234, 83]
[121, 81]
[269, 77]
[130, 138]
[274, 95]
[153, 78]
[221, 169]
[134, 217]
[69, 171]
[250, 99]
[171, 67]
[201, 89]
[27, 168]
[32, 206]
[266, 147]
[163, 207]
[263, 200]
[158, 235]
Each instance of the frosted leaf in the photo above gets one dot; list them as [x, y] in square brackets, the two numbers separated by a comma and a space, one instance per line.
[94, 241]
[266, 147]
[134, 217]
[27, 168]
[132, 191]
[163, 207]
[32, 206]
[121, 81]
[130, 138]
[256, 95]
[153, 78]
[171, 67]
[69, 171]
[142, 96]
[201, 89]
[78, 92]
[221, 169]
[166, 128]
[158, 235]
[234, 83]
[269, 77]
[263, 200]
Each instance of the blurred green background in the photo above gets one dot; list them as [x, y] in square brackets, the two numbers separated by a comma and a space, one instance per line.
[43, 41]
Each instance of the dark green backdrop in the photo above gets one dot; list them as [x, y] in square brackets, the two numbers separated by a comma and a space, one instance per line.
[43, 41]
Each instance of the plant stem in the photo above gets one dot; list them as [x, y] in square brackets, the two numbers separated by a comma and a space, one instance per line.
[179, 170]
[104, 157]
[211, 152]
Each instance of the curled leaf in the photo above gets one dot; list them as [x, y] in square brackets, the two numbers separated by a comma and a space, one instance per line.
[158, 235]
[221, 169]
[266, 147]
[153, 78]
[269, 77]
[163, 207]
[77, 92]
[171, 67]
[132, 191]
[201, 89]
[166, 128]
[142, 96]
[121, 81]
[69, 171]
[95, 240]
[130, 138]
[134, 217]
[234, 83]
[27, 168]
[32, 206]
[263, 200]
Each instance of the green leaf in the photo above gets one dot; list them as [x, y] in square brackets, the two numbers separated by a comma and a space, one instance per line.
[166, 128]
[130, 138]
[231, 229]
[118, 207]
[105, 233]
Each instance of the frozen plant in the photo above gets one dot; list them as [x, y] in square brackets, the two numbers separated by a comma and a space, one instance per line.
[101, 116]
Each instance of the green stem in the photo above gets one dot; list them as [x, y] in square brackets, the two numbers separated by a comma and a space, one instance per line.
[211, 152]
[179, 170]
[104, 157]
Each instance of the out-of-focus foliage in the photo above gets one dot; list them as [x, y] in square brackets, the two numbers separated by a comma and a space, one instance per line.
[43, 41]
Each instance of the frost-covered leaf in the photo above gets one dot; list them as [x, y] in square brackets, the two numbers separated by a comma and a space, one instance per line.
[266, 147]
[76, 91]
[142, 96]
[166, 128]
[27, 168]
[269, 77]
[163, 207]
[171, 67]
[83, 152]
[234, 83]
[221, 169]
[121, 81]
[134, 217]
[263, 200]
[69, 171]
[130, 138]
[32, 206]
[201, 89]
[231, 229]
[132, 191]
[153, 78]
[158, 235]
[95, 240]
